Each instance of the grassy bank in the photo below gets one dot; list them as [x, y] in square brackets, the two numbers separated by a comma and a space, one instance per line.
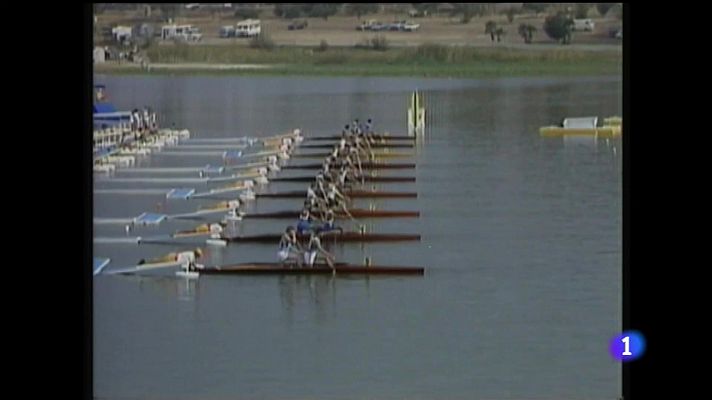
[424, 60]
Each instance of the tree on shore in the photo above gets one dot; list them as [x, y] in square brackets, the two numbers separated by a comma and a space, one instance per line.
[491, 29]
[559, 27]
[603, 8]
[535, 7]
[499, 33]
[247, 13]
[510, 13]
[581, 10]
[467, 10]
[359, 9]
[320, 10]
[287, 11]
[526, 31]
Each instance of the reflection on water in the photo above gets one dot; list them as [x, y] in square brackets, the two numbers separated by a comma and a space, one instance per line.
[521, 239]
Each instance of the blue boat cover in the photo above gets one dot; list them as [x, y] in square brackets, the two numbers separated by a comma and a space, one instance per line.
[232, 154]
[180, 193]
[104, 108]
[149, 218]
[99, 264]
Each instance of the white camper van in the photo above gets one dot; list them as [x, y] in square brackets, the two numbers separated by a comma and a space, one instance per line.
[248, 28]
[185, 32]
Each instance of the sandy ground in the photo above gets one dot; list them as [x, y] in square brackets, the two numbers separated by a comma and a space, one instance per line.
[341, 30]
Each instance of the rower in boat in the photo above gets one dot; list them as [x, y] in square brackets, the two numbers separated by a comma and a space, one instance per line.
[304, 224]
[369, 127]
[314, 249]
[336, 199]
[320, 189]
[353, 152]
[313, 202]
[289, 246]
[329, 224]
[355, 129]
[363, 143]
[348, 174]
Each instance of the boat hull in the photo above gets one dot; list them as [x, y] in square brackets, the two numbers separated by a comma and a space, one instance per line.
[376, 155]
[375, 179]
[354, 194]
[318, 269]
[375, 146]
[381, 137]
[602, 132]
[367, 165]
[357, 213]
[346, 237]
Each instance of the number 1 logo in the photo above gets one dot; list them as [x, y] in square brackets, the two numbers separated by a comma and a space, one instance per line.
[627, 346]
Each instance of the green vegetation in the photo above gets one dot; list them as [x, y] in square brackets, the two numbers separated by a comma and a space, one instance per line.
[360, 9]
[320, 10]
[491, 29]
[535, 7]
[427, 60]
[262, 41]
[581, 10]
[467, 10]
[510, 13]
[526, 31]
[603, 8]
[559, 27]
[247, 13]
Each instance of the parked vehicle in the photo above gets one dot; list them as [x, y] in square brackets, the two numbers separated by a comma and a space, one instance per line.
[410, 27]
[295, 25]
[584, 25]
[396, 26]
[248, 28]
[182, 32]
[368, 25]
[227, 31]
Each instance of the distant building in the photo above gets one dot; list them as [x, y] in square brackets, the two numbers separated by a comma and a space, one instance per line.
[99, 55]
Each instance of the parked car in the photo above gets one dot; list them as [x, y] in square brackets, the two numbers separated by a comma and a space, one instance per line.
[410, 27]
[227, 31]
[298, 25]
[584, 25]
[396, 26]
[368, 25]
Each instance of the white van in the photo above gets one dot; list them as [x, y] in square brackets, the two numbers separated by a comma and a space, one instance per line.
[227, 31]
[248, 28]
[184, 32]
[584, 25]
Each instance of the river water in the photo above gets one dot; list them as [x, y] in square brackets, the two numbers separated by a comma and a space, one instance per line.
[521, 240]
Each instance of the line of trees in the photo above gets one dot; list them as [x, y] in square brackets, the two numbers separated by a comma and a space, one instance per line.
[319, 10]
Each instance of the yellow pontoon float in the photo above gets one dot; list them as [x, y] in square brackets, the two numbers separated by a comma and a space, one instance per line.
[586, 126]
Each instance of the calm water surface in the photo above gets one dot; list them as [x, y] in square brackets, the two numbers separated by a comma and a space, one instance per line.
[521, 241]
